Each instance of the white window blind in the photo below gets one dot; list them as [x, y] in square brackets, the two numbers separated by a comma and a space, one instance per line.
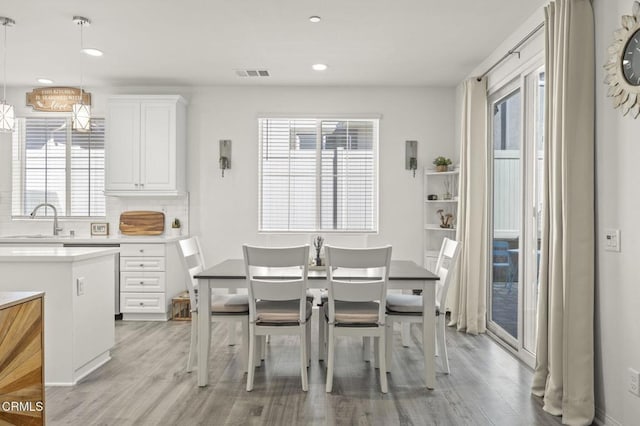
[318, 175]
[53, 164]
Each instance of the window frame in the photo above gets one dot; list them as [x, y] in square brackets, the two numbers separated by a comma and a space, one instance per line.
[319, 118]
[45, 213]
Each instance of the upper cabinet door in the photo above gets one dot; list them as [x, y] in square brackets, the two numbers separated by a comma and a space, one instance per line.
[158, 146]
[123, 146]
[146, 146]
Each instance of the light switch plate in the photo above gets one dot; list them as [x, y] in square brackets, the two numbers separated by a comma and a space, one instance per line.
[80, 286]
[612, 239]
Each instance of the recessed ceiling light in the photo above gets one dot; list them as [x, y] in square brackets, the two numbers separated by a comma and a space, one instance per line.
[319, 67]
[314, 19]
[92, 52]
[45, 81]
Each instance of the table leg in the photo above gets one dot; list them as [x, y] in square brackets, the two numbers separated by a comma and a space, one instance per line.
[204, 333]
[428, 333]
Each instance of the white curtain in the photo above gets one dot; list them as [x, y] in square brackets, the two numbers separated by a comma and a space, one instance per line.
[564, 359]
[468, 306]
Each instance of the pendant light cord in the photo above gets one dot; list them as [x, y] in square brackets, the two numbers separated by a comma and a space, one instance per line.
[81, 65]
[4, 64]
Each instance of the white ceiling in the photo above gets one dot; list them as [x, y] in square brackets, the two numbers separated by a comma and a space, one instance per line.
[201, 42]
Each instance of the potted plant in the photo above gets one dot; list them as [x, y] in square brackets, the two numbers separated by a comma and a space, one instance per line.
[175, 227]
[446, 219]
[442, 163]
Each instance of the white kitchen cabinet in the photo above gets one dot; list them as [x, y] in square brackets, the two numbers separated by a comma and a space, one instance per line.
[150, 276]
[440, 193]
[145, 145]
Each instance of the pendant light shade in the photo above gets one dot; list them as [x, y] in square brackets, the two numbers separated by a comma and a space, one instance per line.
[81, 118]
[7, 118]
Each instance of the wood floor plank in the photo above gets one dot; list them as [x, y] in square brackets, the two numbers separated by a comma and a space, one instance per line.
[146, 384]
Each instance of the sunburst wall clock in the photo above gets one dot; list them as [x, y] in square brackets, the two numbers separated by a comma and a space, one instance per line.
[623, 67]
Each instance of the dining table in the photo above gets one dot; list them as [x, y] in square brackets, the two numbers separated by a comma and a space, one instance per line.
[403, 275]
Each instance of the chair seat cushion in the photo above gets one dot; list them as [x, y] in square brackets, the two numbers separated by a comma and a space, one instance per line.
[229, 304]
[355, 313]
[406, 304]
[285, 312]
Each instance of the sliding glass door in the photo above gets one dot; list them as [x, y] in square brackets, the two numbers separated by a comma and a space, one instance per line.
[516, 135]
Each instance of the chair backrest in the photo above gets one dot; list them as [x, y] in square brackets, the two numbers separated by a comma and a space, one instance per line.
[193, 263]
[445, 267]
[276, 274]
[362, 276]
[501, 252]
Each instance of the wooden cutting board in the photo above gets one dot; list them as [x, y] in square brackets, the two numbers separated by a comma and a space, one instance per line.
[141, 222]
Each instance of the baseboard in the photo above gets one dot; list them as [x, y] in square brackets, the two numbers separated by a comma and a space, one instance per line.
[602, 419]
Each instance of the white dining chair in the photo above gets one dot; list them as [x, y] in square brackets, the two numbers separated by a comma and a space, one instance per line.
[356, 307]
[229, 308]
[278, 305]
[408, 308]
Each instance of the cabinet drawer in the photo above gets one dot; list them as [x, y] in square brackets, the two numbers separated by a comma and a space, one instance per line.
[142, 281]
[141, 250]
[142, 302]
[139, 264]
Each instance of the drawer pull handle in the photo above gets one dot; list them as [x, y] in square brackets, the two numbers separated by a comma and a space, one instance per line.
[141, 303]
[141, 250]
[142, 265]
[141, 282]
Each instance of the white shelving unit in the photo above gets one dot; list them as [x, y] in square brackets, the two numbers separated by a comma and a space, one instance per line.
[437, 183]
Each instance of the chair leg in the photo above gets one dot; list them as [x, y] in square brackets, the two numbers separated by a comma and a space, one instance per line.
[387, 347]
[232, 333]
[442, 344]
[252, 354]
[376, 355]
[304, 359]
[322, 341]
[366, 348]
[263, 346]
[245, 343]
[330, 359]
[258, 348]
[383, 362]
[194, 342]
[307, 338]
[405, 333]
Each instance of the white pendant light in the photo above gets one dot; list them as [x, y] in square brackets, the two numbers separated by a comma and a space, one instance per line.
[81, 120]
[7, 117]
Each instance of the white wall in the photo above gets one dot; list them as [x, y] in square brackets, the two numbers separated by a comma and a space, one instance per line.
[618, 206]
[225, 210]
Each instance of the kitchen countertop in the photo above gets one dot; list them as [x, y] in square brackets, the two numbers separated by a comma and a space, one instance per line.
[52, 254]
[65, 239]
[12, 298]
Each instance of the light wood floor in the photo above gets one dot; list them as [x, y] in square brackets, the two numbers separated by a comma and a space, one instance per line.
[145, 384]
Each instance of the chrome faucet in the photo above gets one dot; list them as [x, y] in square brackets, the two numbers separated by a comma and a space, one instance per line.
[56, 229]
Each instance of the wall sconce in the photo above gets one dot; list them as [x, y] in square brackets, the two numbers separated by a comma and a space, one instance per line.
[225, 155]
[411, 156]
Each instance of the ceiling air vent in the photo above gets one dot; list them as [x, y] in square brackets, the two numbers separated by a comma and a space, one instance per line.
[252, 73]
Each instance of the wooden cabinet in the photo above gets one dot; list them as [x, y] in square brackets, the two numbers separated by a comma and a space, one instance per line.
[150, 275]
[440, 194]
[21, 358]
[145, 145]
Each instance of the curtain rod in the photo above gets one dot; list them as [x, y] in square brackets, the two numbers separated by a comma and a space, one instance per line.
[512, 50]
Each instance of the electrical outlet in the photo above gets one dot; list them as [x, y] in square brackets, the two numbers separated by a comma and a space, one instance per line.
[80, 286]
[612, 239]
[634, 382]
